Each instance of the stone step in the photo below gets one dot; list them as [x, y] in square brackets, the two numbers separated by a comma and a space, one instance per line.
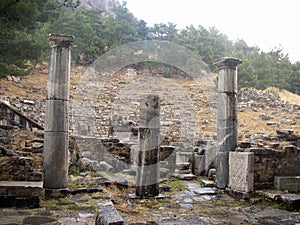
[186, 176]
[196, 188]
[207, 183]
[290, 183]
[290, 200]
[182, 166]
[21, 193]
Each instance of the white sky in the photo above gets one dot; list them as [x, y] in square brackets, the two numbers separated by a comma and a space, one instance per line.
[263, 23]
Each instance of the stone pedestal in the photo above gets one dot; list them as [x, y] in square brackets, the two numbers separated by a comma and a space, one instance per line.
[227, 116]
[55, 164]
[147, 180]
[241, 171]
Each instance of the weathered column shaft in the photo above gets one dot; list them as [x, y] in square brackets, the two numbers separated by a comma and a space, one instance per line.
[55, 164]
[227, 116]
[147, 180]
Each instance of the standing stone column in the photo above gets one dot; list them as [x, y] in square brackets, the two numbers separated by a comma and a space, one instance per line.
[55, 163]
[227, 117]
[147, 180]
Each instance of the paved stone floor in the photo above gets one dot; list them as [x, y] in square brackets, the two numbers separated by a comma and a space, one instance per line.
[188, 204]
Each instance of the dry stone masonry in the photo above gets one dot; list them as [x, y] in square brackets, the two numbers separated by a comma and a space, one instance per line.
[21, 168]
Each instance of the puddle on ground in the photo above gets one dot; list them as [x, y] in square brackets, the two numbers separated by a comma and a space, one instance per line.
[186, 206]
[185, 194]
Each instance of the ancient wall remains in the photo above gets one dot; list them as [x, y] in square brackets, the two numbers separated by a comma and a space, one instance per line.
[20, 155]
[269, 163]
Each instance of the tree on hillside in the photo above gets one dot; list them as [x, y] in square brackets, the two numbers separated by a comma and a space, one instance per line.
[164, 32]
[143, 30]
[209, 44]
[294, 79]
[86, 26]
[17, 24]
[247, 75]
[23, 37]
[121, 27]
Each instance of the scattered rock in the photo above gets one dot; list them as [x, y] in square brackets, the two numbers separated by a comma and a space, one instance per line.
[108, 215]
[7, 152]
[265, 117]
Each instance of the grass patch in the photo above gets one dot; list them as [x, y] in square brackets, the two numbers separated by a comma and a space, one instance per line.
[51, 203]
[176, 185]
[74, 170]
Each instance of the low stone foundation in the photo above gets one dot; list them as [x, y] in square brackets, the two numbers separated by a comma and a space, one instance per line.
[290, 183]
[269, 163]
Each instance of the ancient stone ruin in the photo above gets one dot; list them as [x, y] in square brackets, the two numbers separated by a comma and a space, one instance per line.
[146, 146]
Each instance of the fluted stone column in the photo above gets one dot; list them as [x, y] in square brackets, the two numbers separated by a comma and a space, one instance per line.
[55, 163]
[147, 180]
[227, 116]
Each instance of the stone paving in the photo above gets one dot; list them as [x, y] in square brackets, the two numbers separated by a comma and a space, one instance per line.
[192, 205]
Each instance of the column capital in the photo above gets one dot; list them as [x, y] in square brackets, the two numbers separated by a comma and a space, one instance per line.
[228, 62]
[61, 40]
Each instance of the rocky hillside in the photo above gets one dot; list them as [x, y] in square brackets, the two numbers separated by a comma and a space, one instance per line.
[262, 114]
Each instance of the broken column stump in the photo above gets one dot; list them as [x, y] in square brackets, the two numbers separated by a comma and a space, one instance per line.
[55, 164]
[147, 179]
[227, 116]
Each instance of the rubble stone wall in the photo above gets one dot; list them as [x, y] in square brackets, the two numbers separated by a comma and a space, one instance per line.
[20, 155]
[269, 163]
[11, 116]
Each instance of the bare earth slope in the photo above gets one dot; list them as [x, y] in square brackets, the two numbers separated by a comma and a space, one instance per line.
[260, 112]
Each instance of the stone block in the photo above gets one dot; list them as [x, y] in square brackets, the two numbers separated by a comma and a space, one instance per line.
[290, 183]
[244, 144]
[108, 215]
[210, 156]
[5, 141]
[290, 149]
[21, 188]
[241, 171]
[198, 164]
[21, 193]
[187, 176]
[183, 157]
[3, 132]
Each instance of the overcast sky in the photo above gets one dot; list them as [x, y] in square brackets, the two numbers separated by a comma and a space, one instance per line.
[263, 23]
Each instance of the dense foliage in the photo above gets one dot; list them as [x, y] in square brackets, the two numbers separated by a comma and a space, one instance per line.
[25, 25]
